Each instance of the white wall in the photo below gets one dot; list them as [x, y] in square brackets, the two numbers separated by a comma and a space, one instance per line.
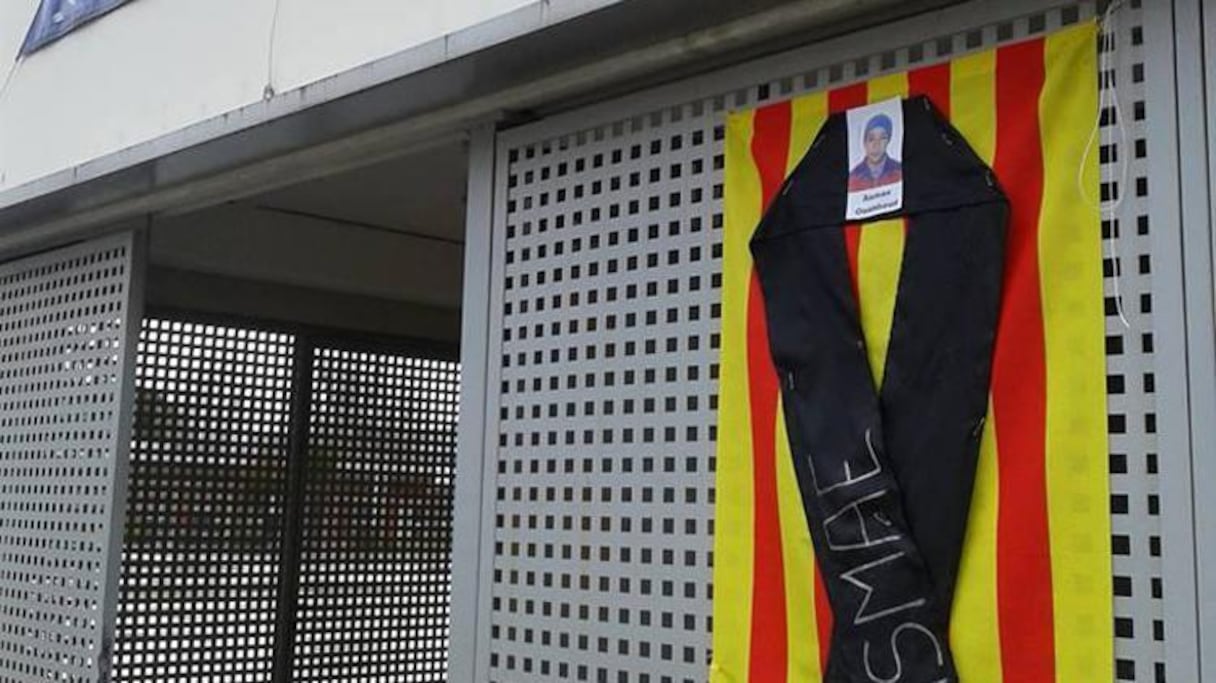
[154, 66]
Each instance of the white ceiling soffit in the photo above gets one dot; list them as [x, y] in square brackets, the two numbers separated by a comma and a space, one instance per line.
[246, 242]
[422, 194]
[383, 122]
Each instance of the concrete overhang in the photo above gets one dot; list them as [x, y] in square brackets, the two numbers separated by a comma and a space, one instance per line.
[515, 68]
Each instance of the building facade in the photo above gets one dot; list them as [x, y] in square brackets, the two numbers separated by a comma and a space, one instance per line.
[257, 257]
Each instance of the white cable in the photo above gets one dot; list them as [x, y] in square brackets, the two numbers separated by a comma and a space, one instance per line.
[268, 91]
[12, 71]
[8, 79]
[1108, 92]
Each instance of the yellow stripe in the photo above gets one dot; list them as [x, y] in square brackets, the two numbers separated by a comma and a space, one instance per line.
[806, 118]
[879, 257]
[799, 557]
[973, 101]
[886, 87]
[808, 115]
[1070, 265]
[733, 549]
[974, 629]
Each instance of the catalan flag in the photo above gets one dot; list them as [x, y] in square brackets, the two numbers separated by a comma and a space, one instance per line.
[1033, 600]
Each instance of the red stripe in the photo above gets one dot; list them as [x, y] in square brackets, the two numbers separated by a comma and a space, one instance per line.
[847, 97]
[768, 661]
[852, 246]
[933, 81]
[1019, 380]
[823, 619]
[772, 128]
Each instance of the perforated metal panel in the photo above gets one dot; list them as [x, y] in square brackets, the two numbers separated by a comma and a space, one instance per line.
[375, 566]
[290, 510]
[204, 535]
[606, 312]
[66, 333]
[1135, 464]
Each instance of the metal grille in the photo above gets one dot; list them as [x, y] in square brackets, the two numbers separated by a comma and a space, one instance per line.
[1131, 385]
[236, 571]
[603, 510]
[375, 570]
[607, 312]
[65, 319]
[203, 541]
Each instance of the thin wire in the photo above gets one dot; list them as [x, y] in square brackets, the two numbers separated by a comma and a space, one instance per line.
[8, 78]
[12, 71]
[268, 90]
[1108, 30]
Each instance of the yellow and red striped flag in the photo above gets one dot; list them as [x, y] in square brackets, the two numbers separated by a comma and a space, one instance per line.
[1033, 602]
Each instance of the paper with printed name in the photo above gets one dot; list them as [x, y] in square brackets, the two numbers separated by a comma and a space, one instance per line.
[876, 146]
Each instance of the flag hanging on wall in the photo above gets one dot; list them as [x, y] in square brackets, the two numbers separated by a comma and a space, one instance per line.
[57, 18]
[1033, 599]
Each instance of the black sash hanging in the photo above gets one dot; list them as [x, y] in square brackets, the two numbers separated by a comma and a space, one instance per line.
[886, 475]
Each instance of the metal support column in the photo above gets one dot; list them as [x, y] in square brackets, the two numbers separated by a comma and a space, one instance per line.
[293, 523]
[1178, 171]
[468, 656]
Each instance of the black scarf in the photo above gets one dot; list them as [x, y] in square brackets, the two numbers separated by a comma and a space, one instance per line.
[886, 474]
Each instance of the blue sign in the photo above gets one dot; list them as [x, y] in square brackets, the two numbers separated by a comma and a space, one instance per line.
[56, 18]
